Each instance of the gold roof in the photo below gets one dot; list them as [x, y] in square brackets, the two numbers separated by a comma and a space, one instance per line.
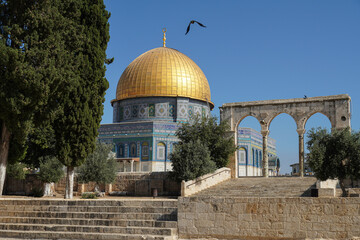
[163, 72]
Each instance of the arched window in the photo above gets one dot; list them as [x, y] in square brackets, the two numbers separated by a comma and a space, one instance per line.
[145, 151]
[253, 157]
[242, 155]
[120, 151]
[161, 151]
[257, 159]
[133, 151]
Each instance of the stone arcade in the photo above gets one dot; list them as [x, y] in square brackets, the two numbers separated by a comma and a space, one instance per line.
[336, 108]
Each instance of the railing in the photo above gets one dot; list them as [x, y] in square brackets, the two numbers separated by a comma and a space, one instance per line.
[193, 186]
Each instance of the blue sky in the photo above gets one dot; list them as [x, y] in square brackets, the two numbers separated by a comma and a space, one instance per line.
[251, 50]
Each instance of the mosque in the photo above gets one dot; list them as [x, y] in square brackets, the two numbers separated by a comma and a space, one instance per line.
[156, 93]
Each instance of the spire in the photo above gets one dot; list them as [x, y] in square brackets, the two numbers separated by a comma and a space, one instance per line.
[164, 38]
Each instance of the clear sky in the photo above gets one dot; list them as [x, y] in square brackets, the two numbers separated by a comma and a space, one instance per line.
[251, 50]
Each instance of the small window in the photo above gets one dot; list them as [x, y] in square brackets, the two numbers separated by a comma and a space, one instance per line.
[133, 150]
[145, 150]
[161, 151]
[121, 151]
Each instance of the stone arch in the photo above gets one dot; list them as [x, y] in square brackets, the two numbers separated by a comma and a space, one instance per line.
[245, 116]
[279, 113]
[313, 113]
[336, 108]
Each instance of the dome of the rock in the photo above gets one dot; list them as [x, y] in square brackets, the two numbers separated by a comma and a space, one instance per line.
[163, 72]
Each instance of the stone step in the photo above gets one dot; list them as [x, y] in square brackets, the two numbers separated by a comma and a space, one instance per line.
[87, 229]
[263, 187]
[98, 202]
[112, 209]
[92, 215]
[38, 235]
[90, 222]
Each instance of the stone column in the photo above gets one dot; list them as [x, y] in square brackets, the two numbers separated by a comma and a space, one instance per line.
[132, 166]
[265, 134]
[301, 133]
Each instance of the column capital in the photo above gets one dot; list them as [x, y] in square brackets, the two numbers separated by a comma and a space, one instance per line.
[265, 133]
[301, 131]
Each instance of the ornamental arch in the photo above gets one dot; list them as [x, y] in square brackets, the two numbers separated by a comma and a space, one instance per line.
[336, 108]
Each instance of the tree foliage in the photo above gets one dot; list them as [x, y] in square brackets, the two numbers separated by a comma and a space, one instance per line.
[51, 170]
[191, 160]
[16, 170]
[334, 155]
[212, 135]
[52, 56]
[29, 66]
[83, 94]
[100, 166]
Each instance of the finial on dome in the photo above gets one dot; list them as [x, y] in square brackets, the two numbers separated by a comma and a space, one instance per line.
[164, 38]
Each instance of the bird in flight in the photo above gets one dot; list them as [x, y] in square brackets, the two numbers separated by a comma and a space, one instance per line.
[305, 97]
[192, 22]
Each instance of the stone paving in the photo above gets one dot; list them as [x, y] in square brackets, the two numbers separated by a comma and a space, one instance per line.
[263, 187]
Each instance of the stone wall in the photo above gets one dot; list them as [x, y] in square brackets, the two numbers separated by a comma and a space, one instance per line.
[268, 218]
[22, 187]
[141, 184]
[131, 184]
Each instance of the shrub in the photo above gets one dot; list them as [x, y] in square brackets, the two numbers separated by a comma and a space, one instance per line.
[191, 160]
[16, 170]
[37, 192]
[212, 135]
[99, 167]
[334, 155]
[88, 195]
[51, 170]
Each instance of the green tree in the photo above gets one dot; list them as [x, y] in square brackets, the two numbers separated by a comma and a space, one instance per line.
[51, 171]
[212, 135]
[334, 155]
[191, 160]
[27, 52]
[52, 56]
[82, 96]
[100, 166]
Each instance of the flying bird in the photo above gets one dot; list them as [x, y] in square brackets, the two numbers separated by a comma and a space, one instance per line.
[192, 22]
[305, 97]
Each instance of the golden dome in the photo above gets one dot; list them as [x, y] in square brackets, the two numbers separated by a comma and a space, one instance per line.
[163, 72]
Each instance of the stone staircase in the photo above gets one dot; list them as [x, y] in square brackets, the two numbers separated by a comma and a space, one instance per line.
[130, 219]
[263, 187]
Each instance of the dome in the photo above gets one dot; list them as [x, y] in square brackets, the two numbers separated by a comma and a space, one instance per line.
[163, 72]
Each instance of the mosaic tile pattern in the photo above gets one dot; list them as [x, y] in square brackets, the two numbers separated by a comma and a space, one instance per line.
[191, 111]
[127, 112]
[134, 111]
[161, 110]
[171, 110]
[182, 112]
[151, 110]
[143, 112]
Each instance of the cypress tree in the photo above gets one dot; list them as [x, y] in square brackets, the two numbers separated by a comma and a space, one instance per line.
[76, 128]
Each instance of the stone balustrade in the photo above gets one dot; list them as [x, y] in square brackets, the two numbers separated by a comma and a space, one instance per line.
[193, 186]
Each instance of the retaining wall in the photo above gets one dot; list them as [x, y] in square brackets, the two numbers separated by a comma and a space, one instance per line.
[132, 184]
[268, 218]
